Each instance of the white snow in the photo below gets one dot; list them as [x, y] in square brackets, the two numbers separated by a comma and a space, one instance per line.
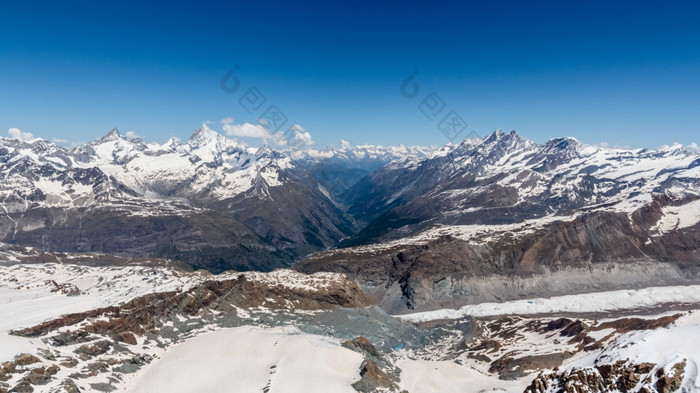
[678, 217]
[424, 376]
[26, 298]
[251, 359]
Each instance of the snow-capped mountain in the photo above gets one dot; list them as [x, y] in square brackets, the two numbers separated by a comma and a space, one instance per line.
[337, 169]
[210, 201]
[505, 178]
[366, 157]
[215, 203]
[503, 217]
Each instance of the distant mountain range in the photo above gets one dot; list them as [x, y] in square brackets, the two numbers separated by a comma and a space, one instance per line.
[411, 224]
[210, 201]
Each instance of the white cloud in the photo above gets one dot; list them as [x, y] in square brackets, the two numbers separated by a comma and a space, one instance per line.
[59, 140]
[301, 136]
[279, 139]
[247, 130]
[296, 136]
[20, 135]
[132, 135]
[345, 144]
[693, 147]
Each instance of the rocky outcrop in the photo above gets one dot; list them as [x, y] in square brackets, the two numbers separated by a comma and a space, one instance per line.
[147, 313]
[67, 289]
[110, 341]
[670, 380]
[373, 377]
[621, 376]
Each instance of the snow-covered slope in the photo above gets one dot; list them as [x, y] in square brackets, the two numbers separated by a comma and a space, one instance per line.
[285, 360]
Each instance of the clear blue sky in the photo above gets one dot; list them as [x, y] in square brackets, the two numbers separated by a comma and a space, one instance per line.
[624, 73]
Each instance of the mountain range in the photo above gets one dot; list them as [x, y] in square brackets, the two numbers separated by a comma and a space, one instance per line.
[413, 225]
[495, 265]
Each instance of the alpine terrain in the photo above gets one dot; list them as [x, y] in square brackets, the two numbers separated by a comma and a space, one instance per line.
[492, 265]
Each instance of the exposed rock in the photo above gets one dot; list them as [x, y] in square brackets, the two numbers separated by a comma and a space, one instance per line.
[126, 337]
[67, 289]
[557, 324]
[363, 346]
[69, 363]
[620, 376]
[40, 375]
[596, 251]
[6, 369]
[46, 354]
[146, 313]
[629, 324]
[509, 368]
[22, 387]
[373, 378]
[133, 364]
[95, 349]
[26, 359]
[103, 387]
[573, 329]
[69, 386]
[670, 381]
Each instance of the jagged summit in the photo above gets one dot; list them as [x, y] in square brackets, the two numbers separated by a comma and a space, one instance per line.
[112, 135]
[204, 135]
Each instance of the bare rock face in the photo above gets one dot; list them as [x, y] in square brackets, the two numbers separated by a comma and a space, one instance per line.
[26, 359]
[69, 386]
[40, 375]
[94, 349]
[594, 251]
[373, 379]
[363, 346]
[376, 373]
[670, 381]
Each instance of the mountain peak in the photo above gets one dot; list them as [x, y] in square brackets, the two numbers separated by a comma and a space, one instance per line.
[511, 141]
[113, 135]
[203, 135]
[494, 136]
[563, 143]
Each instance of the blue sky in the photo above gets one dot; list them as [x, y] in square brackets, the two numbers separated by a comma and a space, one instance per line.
[622, 73]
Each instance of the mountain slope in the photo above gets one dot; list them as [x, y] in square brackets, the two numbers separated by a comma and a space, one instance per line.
[503, 217]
